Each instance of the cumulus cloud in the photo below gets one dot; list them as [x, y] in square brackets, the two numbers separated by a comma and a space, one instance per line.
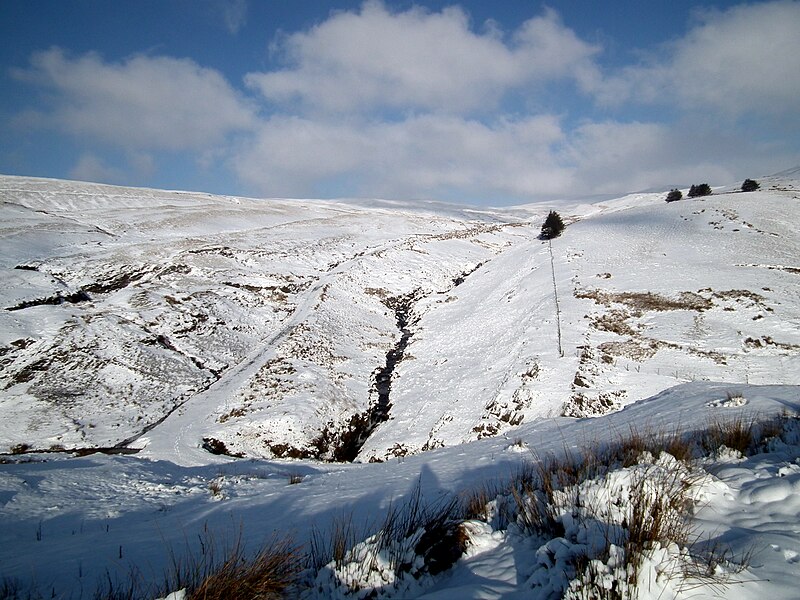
[524, 160]
[130, 168]
[611, 156]
[417, 103]
[442, 82]
[742, 61]
[142, 102]
[424, 156]
[418, 59]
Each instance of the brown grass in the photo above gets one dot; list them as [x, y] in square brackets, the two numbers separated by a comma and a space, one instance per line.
[334, 544]
[648, 301]
[268, 575]
[735, 433]
[215, 486]
[474, 502]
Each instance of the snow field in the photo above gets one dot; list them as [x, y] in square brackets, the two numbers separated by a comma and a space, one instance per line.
[85, 510]
[263, 323]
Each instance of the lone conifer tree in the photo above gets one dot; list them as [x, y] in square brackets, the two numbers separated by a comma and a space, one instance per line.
[674, 195]
[553, 226]
[750, 185]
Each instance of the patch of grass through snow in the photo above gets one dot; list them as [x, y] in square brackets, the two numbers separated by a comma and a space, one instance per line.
[608, 519]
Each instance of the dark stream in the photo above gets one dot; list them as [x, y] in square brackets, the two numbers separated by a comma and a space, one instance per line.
[363, 425]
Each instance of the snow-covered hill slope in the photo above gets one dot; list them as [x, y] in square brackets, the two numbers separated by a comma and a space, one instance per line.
[122, 304]
[368, 330]
[453, 344]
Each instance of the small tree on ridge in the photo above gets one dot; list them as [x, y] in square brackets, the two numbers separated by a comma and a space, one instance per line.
[552, 226]
[750, 185]
[702, 189]
[674, 195]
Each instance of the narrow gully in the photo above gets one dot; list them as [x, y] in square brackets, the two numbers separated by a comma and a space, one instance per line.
[363, 425]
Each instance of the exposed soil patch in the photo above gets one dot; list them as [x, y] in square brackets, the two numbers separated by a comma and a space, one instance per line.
[215, 446]
[648, 301]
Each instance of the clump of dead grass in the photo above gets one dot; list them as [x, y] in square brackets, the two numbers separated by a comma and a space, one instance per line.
[268, 575]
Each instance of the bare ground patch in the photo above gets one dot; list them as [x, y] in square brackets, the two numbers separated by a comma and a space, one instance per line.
[647, 301]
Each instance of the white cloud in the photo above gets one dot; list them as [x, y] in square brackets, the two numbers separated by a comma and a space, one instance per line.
[142, 102]
[419, 60]
[425, 156]
[131, 168]
[442, 82]
[613, 157]
[744, 60]
[532, 159]
[92, 168]
[142, 163]
[234, 13]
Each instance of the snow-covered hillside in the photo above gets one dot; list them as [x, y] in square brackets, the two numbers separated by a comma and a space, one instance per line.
[313, 338]
[272, 317]
[342, 331]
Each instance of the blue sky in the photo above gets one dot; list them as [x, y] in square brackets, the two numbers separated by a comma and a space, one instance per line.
[475, 102]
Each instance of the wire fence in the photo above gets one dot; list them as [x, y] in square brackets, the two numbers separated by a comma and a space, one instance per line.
[555, 295]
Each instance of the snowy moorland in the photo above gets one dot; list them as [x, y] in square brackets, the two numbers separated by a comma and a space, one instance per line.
[262, 370]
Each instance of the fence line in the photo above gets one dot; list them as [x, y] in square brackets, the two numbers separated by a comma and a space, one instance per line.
[555, 295]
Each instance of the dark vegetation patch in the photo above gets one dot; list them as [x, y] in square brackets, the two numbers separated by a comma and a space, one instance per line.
[70, 298]
[766, 341]
[115, 283]
[461, 278]
[215, 446]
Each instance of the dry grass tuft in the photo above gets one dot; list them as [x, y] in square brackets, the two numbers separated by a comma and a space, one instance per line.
[474, 502]
[334, 544]
[215, 486]
[267, 576]
[736, 433]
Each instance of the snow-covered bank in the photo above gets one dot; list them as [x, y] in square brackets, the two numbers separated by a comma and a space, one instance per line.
[71, 520]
